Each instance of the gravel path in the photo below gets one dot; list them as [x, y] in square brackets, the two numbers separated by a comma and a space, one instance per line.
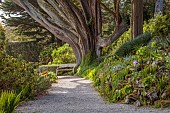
[75, 95]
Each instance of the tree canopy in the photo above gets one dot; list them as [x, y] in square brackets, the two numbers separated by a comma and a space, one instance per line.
[76, 22]
[16, 17]
[82, 23]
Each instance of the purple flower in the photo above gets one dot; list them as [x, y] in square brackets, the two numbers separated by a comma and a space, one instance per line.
[135, 63]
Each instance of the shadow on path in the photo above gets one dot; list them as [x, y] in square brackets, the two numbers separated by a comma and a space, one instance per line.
[75, 95]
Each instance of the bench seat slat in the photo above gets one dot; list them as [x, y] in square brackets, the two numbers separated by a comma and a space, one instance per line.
[64, 69]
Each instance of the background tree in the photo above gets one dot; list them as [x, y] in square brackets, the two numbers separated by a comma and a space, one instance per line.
[159, 7]
[148, 9]
[76, 23]
[15, 17]
[136, 18]
[166, 6]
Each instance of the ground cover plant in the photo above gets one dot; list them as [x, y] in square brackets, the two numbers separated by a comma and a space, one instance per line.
[139, 75]
[142, 78]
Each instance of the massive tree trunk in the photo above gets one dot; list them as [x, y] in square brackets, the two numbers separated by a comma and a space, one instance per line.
[136, 18]
[78, 25]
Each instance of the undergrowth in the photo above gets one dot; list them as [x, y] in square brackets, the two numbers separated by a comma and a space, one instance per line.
[136, 71]
[143, 77]
[20, 81]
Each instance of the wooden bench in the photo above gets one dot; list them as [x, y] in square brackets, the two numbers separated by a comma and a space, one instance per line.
[65, 67]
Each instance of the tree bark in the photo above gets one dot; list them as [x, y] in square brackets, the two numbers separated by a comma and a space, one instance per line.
[136, 18]
[158, 7]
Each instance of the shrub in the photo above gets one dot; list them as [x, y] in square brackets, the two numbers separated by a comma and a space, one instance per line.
[63, 54]
[19, 81]
[159, 26]
[42, 83]
[133, 45]
[45, 55]
[51, 68]
[52, 76]
[28, 50]
[16, 74]
[26, 92]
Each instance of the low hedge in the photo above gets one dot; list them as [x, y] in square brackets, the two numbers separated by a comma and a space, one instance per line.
[133, 45]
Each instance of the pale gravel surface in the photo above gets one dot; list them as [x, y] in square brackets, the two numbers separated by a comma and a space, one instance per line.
[75, 95]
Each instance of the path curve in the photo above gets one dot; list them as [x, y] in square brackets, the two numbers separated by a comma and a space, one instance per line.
[75, 95]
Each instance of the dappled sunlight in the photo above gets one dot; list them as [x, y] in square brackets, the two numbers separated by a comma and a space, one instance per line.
[58, 92]
[71, 82]
[67, 84]
[84, 81]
